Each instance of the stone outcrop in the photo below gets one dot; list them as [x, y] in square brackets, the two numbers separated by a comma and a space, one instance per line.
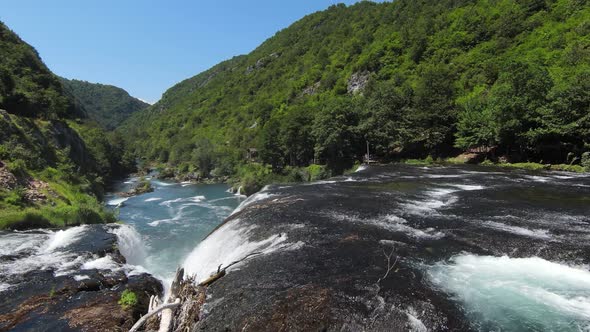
[43, 300]
[7, 179]
[358, 81]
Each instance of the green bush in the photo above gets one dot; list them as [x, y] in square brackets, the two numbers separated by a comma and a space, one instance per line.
[21, 220]
[128, 299]
[85, 215]
[586, 160]
[251, 184]
[15, 197]
[317, 172]
[18, 168]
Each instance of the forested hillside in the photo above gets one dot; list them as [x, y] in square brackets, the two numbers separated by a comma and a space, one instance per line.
[413, 78]
[54, 162]
[106, 104]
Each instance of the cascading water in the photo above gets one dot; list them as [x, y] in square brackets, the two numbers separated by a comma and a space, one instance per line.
[131, 244]
[517, 294]
[163, 227]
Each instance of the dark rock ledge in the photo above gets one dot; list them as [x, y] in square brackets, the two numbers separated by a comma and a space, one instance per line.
[41, 301]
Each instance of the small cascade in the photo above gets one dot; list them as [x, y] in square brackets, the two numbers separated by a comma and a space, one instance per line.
[539, 295]
[63, 238]
[229, 244]
[131, 244]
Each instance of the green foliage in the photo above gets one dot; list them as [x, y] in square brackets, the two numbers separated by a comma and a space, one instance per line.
[317, 172]
[41, 143]
[27, 87]
[106, 104]
[586, 160]
[128, 300]
[144, 186]
[442, 75]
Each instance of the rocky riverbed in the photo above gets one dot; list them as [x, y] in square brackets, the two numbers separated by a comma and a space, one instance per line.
[401, 248]
[71, 280]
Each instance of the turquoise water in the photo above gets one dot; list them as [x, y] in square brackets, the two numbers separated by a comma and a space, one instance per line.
[171, 221]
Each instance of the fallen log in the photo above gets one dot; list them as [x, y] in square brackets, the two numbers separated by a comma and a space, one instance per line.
[145, 317]
[212, 278]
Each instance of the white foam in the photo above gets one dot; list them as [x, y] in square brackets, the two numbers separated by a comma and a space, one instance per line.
[14, 243]
[534, 233]
[436, 199]
[102, 263]
[64, 238]
[131, 244]
[169, 203]
[162, 184]
[81, 277]
[361, 168]
[4, 287]
[538, 294]
[239, 192]
[228, 244]
[259, 196]
[443, 176]
[391, 223]
[468, 187]
[153, 199]
[537, 178]
[117, 201]
[197, 199]
[416, 325]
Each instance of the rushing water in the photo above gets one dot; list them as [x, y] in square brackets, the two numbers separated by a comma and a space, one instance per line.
[479, 249]
[170, 221]
[471, 249]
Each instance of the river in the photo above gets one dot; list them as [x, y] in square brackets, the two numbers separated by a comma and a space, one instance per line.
[388, 247]
[170, 221]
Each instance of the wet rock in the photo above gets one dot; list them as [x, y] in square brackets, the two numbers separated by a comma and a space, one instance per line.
[77, 299]
[312, 89]
[7, 179]
[352, 253]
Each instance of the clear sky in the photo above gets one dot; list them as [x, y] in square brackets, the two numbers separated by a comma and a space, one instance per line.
[147, 46]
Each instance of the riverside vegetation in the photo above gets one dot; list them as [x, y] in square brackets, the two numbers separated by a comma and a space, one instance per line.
[54, 160]
[507, 78]
[510, 78]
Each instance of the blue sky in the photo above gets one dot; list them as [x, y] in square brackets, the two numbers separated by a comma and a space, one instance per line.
[146, 47]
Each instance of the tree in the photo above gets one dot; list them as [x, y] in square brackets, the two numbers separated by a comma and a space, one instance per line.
[336, 136]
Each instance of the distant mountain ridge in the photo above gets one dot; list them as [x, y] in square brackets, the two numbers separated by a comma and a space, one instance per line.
[413, 78]
[106, 104]
[27, 86]
[54, 162]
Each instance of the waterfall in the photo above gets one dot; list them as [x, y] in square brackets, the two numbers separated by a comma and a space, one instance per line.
[131, 244]
[63, 238]
[230, 243]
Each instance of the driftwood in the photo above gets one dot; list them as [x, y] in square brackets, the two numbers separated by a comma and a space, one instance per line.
[144, 318]
[166, 308]
[178, 298]
[221, 272]
[166, 318]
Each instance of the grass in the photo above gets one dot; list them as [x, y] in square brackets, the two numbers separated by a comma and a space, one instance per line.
[531, 166]
[128, 299]
[69, 202]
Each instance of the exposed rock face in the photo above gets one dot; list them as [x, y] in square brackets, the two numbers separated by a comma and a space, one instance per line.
[262, 62]
[312, 89]
[353, 253]
[7, 179]
[358, 81]
[83, 299]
